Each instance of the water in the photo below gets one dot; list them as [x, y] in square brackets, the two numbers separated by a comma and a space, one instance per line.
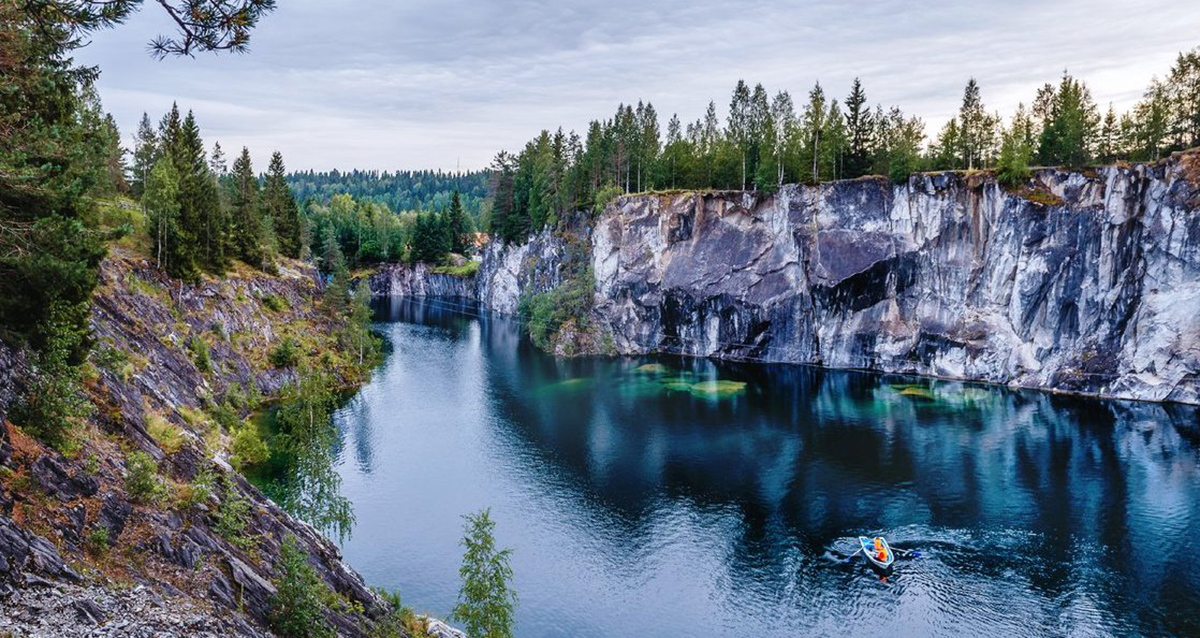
[637, 504]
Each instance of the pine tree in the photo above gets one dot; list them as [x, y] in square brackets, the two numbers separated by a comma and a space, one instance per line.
[280, 205]
[145, 153]
[246, 215]
[1069, 125]
[973, 128]
[458, 226]
[1016, 150]
[858, 132]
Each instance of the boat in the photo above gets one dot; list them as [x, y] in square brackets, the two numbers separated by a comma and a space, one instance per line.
[868, 550]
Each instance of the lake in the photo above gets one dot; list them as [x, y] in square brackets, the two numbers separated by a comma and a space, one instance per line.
[682, 497]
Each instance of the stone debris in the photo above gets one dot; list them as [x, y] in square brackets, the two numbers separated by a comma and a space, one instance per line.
[77, 611]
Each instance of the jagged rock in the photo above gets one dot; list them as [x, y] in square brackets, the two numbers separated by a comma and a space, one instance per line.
[88, 611]
[25, 554]
[943, 275]
[255, 592]
[113, 514]
[221, 592]
[77, 519]
[57, 481]
[438, 629]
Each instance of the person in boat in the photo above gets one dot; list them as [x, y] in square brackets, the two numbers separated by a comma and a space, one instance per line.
[880, 551]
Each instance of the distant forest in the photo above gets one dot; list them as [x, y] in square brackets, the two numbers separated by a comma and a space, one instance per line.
[399, 191]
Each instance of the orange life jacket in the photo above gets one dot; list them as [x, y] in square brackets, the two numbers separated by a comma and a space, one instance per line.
[880, 552]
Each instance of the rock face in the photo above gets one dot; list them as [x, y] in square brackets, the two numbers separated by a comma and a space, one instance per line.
[54, 508]
[1090, 284]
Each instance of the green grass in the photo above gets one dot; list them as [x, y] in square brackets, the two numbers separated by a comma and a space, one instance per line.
[466, 270]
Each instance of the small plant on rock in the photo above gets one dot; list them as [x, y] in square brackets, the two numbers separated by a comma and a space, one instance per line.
[97, 541]
[296, 608]
[286, 354]
[142, 481]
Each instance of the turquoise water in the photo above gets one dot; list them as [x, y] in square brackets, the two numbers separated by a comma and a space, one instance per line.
[677, 497]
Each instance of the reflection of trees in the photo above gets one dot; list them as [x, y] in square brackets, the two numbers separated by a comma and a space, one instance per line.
[817, 455]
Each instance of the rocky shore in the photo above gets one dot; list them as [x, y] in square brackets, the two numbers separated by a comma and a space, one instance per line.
[78, 554]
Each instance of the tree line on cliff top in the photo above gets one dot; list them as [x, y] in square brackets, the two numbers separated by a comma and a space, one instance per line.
[766, 140]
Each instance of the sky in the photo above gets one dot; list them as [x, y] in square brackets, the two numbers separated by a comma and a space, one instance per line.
[416, 84]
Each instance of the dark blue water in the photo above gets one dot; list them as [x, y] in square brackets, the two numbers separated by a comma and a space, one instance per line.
[641, 501]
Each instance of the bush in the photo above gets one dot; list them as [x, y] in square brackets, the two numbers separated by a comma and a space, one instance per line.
[398, 622]
[296, 608]
[199, 348]
[142, 481]
[286, 354]
[544, 313]
[168, 435]
[199, 491]
[97, 540]
[605, 195]
[232, 516]
[55, 401]
[275, 303]
[248, 447]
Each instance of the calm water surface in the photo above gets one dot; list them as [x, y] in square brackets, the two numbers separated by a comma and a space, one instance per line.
[643, 501]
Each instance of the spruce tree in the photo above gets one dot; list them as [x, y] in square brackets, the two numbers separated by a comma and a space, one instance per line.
[280, 204]
[1069, 126]
[145, 153]
[248, 227]
[460, 240]
[858, 132]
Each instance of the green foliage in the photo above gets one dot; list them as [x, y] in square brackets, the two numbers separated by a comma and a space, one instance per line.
[279, 205]
[309, 485]
[233, 515]
[142, 481]
[486, 601]
[1069, 126]
[397, 191]
[55, 402]
[605, 196]
[275, 303]
[466, 269]
[200, 355]
[398, 621]
[544, 313]
[296, 608]
[199, 491]
[286, 354]
[248, 447]
[98, 541]
[168, 435]
[431, 239]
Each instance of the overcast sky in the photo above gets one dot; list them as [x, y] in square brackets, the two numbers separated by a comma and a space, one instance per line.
[396, 84]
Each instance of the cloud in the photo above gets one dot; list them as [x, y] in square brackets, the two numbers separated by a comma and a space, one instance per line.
[425, 84]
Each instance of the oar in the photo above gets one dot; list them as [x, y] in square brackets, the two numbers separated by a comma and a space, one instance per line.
[907, 552]
[852, 555]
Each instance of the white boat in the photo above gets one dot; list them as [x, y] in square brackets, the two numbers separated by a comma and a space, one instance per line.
[882, 558]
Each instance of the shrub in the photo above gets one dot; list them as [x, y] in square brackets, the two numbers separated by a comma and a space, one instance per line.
[275, 302]
[248, 447]
[605, 195]
[544, 313]
[142, 481]
[97, 540]
[54, 401]
[398, 622]
[198, 491]
[296, 608]
[199, 348]
[168, 435]
[232, 516]
[286, 354]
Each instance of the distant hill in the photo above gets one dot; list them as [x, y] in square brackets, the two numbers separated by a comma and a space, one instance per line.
[399, 190]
